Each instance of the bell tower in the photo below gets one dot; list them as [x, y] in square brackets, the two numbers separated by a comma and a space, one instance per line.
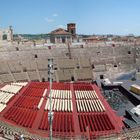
[71, 27]
[10, 33]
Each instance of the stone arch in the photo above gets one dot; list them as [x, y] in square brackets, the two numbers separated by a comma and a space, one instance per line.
[72, 78]
[43, 79]
[4, 37]
[6, 34]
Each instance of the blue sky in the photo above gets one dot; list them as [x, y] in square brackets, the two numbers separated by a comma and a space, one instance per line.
[91, 16]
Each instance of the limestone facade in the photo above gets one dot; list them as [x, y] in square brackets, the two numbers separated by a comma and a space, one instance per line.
[6, 34]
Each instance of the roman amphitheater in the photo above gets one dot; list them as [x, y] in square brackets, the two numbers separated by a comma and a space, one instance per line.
[80, 110]
[29, 63]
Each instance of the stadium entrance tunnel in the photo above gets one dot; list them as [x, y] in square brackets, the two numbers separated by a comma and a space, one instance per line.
[43, 79]
[72, 78]
[101, 76]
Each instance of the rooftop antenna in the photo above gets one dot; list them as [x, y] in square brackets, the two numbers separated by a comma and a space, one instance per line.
[50, 114]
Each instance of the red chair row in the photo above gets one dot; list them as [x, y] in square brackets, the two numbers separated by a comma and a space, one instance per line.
[39, 85]
[33, 92]
[27, 102]
[20, 116]
[82, 87]
[61, 86]
[95, 122]
[62, 122]
[44, 124]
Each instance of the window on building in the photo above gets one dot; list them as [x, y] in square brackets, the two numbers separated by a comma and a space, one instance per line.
[93, 67]
[36, 56]
[101, 76]
[72, 31]
[78, 67]
[115, 65]
[129, 52]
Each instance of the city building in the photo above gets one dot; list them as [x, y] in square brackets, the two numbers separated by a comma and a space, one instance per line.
[61, 35]
[6, 34]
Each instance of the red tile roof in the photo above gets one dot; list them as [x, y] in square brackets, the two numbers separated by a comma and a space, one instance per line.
[60, 31]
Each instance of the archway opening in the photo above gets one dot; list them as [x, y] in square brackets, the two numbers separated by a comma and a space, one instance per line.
[72, 78]
[4, 37]
[43, 79]
[63, 40]
[101, 76]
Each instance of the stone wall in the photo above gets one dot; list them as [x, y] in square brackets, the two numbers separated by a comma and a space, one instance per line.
[31, 63]
[6, 34]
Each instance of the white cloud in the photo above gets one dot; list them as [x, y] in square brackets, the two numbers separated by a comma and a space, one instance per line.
[55, 15]
[49, 20]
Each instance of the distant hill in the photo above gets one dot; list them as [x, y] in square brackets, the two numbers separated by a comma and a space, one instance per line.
[40, 36]
[32, 36]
